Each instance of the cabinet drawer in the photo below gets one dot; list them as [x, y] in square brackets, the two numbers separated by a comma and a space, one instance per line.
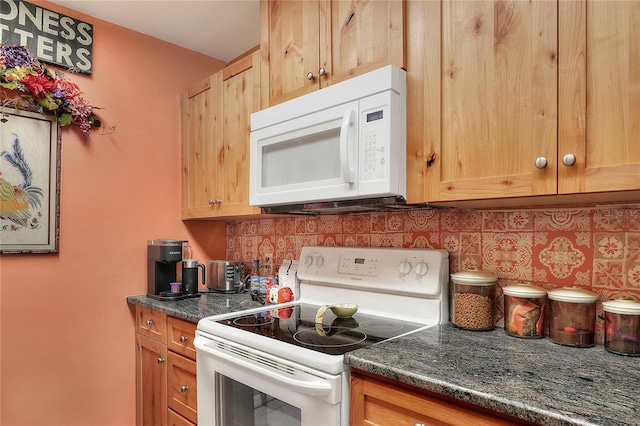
[151, 323]
[176, 419]
[181, 386]
[180, 337]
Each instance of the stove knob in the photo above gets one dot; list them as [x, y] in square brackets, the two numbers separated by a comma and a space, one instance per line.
[421, 269]
[308, 260]
[404, 268]
[319, 261]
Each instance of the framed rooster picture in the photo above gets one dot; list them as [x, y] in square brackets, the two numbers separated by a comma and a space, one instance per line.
[29, 182]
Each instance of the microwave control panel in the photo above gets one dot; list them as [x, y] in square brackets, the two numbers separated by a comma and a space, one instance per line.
[375, 134]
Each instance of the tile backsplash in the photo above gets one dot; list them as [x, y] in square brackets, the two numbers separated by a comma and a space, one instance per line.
[598, 249]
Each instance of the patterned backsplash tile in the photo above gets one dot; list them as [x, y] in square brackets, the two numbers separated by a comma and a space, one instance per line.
[598, 249]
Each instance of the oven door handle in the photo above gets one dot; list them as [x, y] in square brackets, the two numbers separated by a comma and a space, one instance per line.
[317, 387]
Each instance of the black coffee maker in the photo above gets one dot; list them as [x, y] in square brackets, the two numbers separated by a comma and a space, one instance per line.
[163, 258]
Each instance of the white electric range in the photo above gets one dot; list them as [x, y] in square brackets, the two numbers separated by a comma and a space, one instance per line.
[279, 365]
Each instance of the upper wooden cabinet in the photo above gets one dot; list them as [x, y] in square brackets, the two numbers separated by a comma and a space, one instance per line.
[239, 96]
[500, 92]
[599, 95]
[307, 45]
[216, 125]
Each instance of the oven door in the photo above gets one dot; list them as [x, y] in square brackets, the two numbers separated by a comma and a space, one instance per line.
[241, 386]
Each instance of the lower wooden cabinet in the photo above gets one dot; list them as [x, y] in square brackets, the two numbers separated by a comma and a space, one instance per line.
[377, 402]
[166, 387]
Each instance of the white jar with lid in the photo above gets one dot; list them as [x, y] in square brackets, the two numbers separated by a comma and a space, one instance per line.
[622, 327]
[524, 310]
[473, 304]
[572, 316]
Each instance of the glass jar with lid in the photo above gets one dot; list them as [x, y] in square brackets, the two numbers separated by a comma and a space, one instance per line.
[572, 316]
[622, 327]
[524, 310]
[473, 301]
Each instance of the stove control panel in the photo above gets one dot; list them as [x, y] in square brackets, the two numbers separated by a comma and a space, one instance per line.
[368, 265]
[385, 270]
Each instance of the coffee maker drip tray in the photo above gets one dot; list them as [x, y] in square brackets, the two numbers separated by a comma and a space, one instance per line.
[167, 295]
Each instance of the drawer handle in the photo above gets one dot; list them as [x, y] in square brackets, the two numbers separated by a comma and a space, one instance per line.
[149, 322]
[184, 389]
[183, 339]
[161, 360]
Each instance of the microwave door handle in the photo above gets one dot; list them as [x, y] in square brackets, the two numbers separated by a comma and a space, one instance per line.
[345, 160]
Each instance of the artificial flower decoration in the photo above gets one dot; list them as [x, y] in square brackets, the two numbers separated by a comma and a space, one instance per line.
[44, 90]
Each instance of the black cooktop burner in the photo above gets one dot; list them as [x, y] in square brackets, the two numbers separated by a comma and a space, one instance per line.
[296, 325]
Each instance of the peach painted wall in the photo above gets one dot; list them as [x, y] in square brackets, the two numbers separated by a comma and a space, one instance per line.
[67, 334]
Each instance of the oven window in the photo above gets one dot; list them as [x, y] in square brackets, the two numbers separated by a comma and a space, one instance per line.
[240, 405]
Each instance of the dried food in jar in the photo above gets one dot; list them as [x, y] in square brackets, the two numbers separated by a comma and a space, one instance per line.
[473, 311]
[524, 310]
[473, 303]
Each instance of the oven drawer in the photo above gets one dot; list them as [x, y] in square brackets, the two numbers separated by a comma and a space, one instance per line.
[180, 337]
[151, 323]
[181, 386]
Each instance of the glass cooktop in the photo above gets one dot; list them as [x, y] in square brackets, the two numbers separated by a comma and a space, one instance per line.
[334, 336]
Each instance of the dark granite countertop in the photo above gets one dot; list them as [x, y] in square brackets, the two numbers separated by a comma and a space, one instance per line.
[532, 379]
[194, 309]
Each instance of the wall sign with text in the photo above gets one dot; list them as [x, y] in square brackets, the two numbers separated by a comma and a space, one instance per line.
[52, 37]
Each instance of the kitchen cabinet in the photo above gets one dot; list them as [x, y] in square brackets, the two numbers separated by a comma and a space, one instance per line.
[166, 390]
[216, 124]
[239, 96]
[376, 402]
[198, 123]
[312, 44]
[502, 95]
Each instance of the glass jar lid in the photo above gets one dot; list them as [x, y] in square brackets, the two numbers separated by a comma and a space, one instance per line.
[621, 306]
[524, 290]
[474, 278]
[573, 294]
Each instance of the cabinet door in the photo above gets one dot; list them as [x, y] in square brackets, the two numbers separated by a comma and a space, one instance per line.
[239, 89]
[499, 101]
[182, 386]
[151, 382]
[600, 95]
[360, 36]
[375, 402]
[289, 44]
[198, 110]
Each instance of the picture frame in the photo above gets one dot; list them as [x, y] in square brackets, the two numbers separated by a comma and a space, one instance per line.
[30, 146]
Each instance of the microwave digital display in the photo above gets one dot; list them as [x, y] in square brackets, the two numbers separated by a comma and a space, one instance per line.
[373, 116]
[359, 260]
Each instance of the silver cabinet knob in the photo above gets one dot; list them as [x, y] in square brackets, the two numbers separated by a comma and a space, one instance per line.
[161, 360]
[183, 339]
[322, 72]
[310, 76]
[211, 202]
[149, 322]
[541, 162]
[569, 160]
[216, 201]
[184, 389]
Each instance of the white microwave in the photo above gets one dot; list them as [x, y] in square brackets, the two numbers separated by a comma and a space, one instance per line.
[344, 143]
